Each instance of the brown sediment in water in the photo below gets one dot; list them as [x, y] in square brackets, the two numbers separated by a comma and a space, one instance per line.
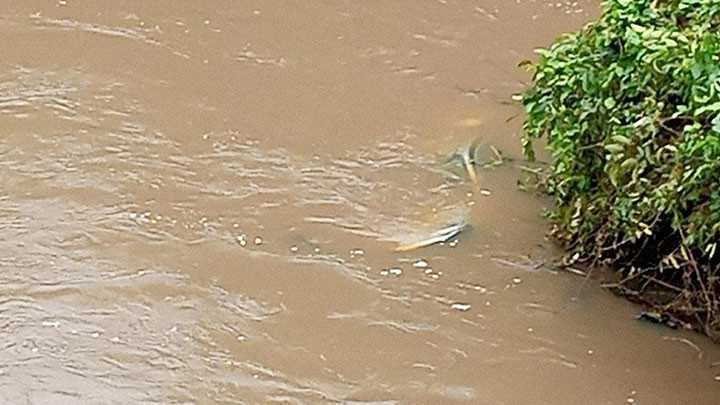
[196, 201]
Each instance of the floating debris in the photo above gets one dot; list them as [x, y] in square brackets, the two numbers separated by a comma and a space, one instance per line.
[458, 306]
[421, 264]
[395, 271]
[652, 316]
[442, 235]
[241, 240]
[517, 280]
[474, 154]
[464, 156]
[441, 227]
[469, 161]
[357, 252]
[258, 240]
[392, 271]
[657, 317]
[469, 286]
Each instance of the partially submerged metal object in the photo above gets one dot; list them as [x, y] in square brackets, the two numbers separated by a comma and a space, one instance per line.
[468, 157]
[453, 223]
[465, 156]
[468, 160]
[474, 154]
[439, 236]
[444, 224]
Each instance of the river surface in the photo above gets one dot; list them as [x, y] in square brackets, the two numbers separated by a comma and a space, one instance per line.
[200, 203]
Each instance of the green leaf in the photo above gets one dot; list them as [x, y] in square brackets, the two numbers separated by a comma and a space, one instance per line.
[621, 139]
[714, 107]
[716, 124]
[614, 148]
[631, 162]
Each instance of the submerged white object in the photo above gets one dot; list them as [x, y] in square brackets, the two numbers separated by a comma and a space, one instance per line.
[439, 236]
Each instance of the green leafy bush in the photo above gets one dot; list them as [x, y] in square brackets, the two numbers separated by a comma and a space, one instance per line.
[630, 110]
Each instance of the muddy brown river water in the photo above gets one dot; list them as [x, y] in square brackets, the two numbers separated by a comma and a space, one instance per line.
[200, 201]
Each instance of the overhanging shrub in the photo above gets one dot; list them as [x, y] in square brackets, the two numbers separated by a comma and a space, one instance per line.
[630, 110]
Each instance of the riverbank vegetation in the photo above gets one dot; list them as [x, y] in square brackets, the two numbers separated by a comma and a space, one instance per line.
[629, 108]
